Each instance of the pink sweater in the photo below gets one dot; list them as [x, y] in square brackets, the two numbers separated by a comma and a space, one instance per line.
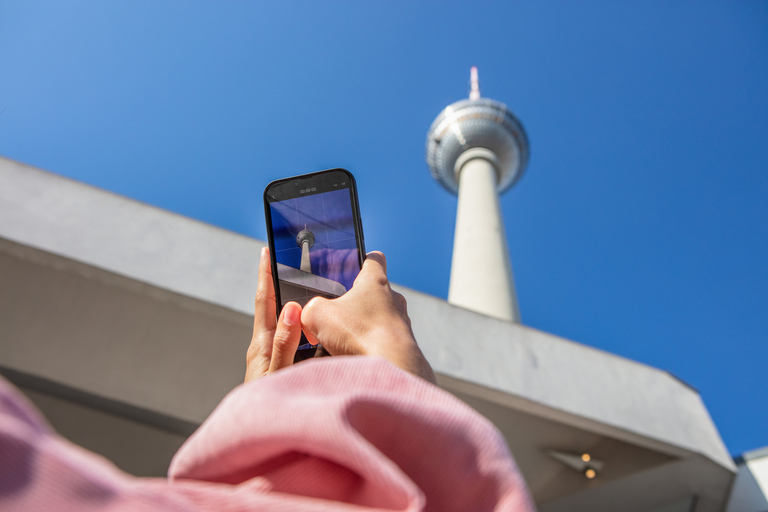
[341, 434]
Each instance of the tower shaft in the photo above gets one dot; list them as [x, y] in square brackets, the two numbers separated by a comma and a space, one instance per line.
[306, 264]
[481, 271]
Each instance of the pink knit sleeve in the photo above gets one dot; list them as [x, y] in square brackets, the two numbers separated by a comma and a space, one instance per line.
[342, 433]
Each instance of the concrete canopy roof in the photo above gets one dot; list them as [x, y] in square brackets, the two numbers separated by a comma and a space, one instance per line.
[185, 292]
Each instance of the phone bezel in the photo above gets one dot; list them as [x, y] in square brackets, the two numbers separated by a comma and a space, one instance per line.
[323, 179]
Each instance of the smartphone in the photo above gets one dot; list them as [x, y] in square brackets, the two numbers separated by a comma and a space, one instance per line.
[315, 239]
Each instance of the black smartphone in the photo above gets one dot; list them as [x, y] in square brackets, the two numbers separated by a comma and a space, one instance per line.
[315, 239]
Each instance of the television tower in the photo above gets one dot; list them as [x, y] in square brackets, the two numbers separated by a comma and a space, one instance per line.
[477, 149]
[305, 239]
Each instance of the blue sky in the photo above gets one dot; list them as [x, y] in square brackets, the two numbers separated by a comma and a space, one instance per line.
[638, 228]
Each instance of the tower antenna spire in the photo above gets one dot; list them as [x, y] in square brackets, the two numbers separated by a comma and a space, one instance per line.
[474, 92]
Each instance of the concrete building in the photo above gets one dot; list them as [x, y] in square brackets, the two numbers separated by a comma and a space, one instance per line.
[750, 490]
[127, 324]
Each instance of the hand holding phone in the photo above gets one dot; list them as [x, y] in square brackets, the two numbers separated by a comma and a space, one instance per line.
[372, 319]
[315, 238]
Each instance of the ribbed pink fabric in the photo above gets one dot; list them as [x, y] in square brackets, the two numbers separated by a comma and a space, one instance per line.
[341, 434]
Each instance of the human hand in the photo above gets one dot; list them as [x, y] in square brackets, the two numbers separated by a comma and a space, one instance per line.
[370, 319]
[274, 342]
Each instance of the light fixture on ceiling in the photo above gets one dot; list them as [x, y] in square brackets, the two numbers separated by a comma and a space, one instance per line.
[584, 463]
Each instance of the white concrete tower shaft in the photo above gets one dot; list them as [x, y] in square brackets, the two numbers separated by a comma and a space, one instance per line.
[477, 149]
[481, 270]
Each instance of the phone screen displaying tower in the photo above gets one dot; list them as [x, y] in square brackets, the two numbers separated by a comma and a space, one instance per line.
[315, 236]
[315, 245]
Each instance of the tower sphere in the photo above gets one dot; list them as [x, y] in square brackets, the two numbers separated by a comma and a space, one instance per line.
[305, 235]
[477, 123]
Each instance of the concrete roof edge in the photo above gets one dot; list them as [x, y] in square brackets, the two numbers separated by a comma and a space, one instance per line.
[564, 375]
[127, 237]
[101, 191]
[757, 453]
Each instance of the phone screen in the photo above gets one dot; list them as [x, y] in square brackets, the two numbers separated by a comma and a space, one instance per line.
[316, 237]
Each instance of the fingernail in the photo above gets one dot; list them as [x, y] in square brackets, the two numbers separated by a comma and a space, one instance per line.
[292, 314]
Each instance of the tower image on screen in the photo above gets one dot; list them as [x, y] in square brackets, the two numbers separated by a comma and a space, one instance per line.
[315, 245]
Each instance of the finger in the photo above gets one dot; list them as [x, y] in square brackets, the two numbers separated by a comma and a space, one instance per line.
[376, 258]
[374, 269]
[259, 354]
[265, 307]
[287, 336]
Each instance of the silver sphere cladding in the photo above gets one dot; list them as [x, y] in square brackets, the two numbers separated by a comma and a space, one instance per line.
[481, 123]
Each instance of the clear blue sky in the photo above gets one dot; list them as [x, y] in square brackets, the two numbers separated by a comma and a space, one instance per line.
[639, 227]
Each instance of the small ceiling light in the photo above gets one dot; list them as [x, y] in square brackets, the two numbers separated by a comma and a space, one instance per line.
[583, 463]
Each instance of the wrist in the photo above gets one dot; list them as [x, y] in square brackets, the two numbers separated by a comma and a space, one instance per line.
[400, 349]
